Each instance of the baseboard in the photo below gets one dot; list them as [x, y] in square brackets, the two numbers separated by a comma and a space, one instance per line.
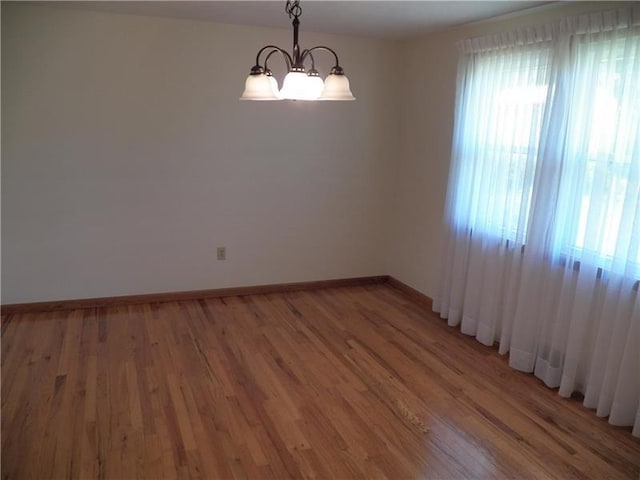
[410, 292]
[60, 305]
[52, 306]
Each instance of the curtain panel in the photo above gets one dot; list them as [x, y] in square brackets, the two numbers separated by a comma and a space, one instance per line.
[542, 218]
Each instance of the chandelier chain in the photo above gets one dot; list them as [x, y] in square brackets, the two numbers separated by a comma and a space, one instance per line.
[293, 8]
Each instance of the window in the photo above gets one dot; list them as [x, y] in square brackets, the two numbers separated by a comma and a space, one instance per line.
[502, 122]
[598, 204]
[579, 182]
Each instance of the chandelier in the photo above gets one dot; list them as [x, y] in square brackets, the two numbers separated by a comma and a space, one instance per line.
[299, 83]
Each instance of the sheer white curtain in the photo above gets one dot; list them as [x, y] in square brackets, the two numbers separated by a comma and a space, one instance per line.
[543, 208]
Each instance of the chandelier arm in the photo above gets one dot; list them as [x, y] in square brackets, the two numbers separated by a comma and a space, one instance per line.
[285, 54]
[306, 53]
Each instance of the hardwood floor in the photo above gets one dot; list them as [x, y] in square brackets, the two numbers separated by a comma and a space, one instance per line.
[356, 382]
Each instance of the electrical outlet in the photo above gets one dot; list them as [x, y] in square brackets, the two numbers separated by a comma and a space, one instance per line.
[221, 253]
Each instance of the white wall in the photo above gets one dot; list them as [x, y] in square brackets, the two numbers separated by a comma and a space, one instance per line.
[426, 125]
[127, 158]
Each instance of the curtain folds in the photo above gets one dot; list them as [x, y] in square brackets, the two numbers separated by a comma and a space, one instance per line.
[543, 206]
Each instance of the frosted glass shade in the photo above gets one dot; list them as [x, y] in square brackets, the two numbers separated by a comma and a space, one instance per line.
[336, 87]
[274, 86]
[260, 87]
[300, 86]
[315, 86]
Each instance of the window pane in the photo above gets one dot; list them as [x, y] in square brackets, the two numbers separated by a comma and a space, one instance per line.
[598, 209]
[501, 120]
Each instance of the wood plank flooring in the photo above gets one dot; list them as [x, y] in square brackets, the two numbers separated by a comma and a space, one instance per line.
[356, 382]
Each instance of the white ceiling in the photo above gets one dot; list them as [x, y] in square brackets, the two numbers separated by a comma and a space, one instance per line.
[385, 19]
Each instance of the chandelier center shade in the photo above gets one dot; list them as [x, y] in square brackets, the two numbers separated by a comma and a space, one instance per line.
[300, 83]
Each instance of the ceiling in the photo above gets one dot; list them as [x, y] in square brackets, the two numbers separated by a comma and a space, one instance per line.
[384, 19]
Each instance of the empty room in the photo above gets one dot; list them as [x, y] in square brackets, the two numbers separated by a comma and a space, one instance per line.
[320, 239]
